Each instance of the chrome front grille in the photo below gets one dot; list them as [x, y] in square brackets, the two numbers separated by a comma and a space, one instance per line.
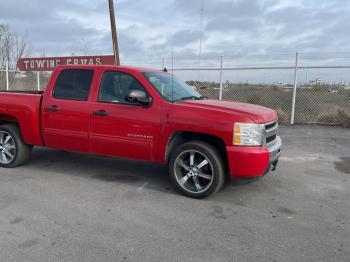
[270, 133]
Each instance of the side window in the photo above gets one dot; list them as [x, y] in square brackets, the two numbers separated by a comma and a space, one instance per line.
[73, 84]
[115, 86]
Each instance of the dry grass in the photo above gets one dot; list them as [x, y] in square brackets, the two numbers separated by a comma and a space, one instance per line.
[283, 115]
[338, 116]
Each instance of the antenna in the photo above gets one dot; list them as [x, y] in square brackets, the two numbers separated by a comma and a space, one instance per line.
[172, 73]
[200, 39]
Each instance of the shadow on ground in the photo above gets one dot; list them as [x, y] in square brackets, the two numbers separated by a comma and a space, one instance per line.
[104, 169]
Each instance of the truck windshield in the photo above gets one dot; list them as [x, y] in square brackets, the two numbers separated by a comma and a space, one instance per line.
[171, 88]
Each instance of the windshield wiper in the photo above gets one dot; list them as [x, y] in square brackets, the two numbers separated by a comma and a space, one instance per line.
[191, 98]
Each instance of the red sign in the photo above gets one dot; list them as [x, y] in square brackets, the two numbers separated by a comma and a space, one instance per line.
[49, 63]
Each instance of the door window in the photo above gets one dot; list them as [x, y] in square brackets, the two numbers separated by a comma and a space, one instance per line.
[115, 87]
[73, 84]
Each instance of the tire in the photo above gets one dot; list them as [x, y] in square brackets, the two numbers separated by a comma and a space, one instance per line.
[14, 152]
[196, 169]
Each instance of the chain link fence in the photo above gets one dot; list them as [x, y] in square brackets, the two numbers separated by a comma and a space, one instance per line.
[321, 89]
[12, 80]
[320, 86]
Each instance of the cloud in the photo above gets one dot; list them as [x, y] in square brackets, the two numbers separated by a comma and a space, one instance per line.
[149, 30]
[185, 37]
[229, 23]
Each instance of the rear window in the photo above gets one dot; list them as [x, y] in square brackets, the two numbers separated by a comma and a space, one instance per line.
[73, 84]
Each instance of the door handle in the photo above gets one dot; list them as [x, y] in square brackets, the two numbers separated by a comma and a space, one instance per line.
[53, 108]
[100, 113]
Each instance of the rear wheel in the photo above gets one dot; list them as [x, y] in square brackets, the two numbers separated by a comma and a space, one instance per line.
[197, 169]
[13, 151]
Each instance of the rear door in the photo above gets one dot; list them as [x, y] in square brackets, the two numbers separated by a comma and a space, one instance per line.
[66, 111]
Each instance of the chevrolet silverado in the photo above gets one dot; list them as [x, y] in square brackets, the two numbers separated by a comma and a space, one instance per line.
[141, 114]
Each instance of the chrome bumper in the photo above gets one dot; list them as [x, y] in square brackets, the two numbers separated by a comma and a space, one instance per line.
[275, 152]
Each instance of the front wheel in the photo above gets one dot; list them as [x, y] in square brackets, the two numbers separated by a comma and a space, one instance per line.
[196, 169]
[13, 151]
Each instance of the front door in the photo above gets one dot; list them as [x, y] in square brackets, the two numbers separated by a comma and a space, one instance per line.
[119, 128]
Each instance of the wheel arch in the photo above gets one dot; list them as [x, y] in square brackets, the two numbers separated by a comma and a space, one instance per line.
[8, 119]
[29, 127]
[181, 137]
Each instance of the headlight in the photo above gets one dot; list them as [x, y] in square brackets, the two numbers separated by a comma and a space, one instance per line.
[247, 134]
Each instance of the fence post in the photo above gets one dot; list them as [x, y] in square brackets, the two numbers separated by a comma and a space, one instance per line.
[7, 76]
[295, 87]
[221, 76]
[38, 80]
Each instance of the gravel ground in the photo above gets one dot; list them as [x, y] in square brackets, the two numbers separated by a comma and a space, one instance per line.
[69, 207]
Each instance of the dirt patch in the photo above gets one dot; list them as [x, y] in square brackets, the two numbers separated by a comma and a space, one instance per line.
[285, 211]
[343, 165]
[218, 212]
[28, 244]
[17, 220]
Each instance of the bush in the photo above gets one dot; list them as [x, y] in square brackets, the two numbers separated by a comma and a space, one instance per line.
[283, 115]
[344, 118]
[340, 117]
[254, 99]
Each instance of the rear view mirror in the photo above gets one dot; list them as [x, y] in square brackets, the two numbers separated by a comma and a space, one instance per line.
[138, 96]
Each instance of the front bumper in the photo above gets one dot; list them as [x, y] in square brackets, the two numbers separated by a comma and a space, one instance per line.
[275, 152]
[250, 162]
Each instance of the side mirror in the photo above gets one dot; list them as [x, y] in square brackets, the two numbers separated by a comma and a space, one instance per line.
[138, 96]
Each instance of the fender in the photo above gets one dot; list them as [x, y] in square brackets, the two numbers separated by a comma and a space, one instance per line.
[23, 109]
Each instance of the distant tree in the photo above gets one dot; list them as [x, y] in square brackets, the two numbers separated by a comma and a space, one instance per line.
[12, 47]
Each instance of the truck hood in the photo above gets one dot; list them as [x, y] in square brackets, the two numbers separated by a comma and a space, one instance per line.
[258, 114]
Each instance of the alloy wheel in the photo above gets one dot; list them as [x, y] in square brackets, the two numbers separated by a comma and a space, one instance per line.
[194, 171]
[7, 148]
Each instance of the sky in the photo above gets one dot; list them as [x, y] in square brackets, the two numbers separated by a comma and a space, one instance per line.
[241, 30]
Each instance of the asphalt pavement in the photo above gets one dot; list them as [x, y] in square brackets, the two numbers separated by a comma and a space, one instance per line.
[65, 206]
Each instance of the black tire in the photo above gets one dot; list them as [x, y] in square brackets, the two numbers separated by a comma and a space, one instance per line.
[215, 168]
[22, 151]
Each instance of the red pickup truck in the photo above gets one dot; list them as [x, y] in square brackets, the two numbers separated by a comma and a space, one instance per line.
[141, 114]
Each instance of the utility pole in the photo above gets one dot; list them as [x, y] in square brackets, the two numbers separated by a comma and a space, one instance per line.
[295, 87]
[114, 33]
